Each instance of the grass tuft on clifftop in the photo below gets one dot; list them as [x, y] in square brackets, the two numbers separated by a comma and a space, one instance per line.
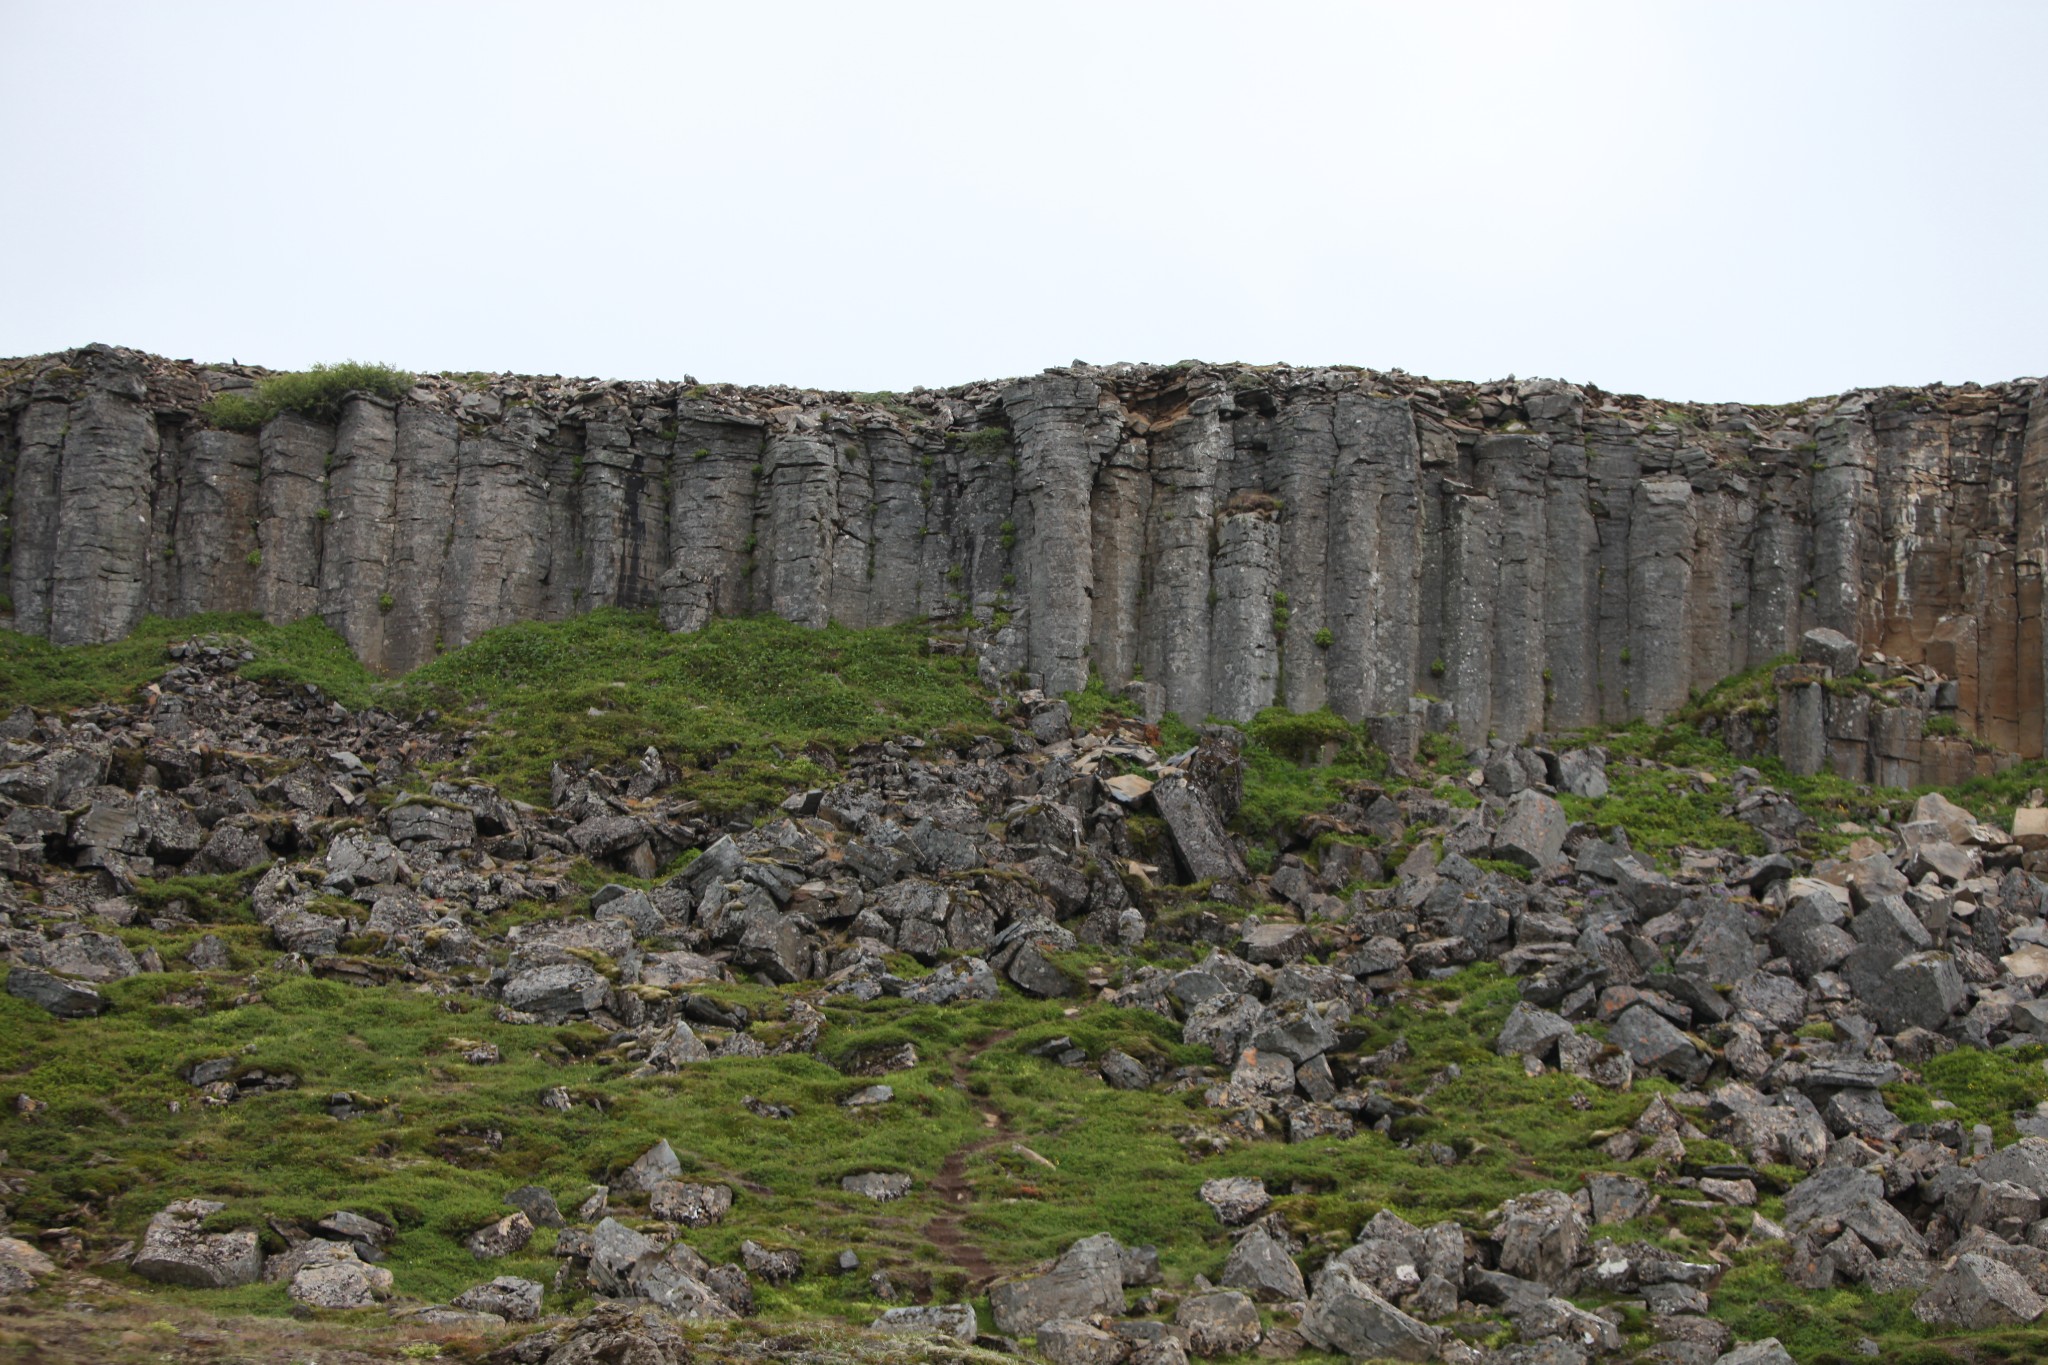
[316, 393]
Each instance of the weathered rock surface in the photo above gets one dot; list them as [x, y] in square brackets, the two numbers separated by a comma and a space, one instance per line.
[1542, 554]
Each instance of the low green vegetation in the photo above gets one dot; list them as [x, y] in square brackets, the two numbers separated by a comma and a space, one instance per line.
[316, 393]
[37, 673]
[747, 707]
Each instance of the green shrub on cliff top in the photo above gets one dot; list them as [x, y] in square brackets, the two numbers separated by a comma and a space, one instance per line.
[316, 393]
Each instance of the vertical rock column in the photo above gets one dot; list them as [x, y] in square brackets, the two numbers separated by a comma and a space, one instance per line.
[1305, 460]
[289, 501]
[39, 463]
[1845, 532]
[99, 577]
[1660, 552]
[499, 559]
[886, 571]
[215, 530]
[422, 533]
[794, 556]
[2032, 570]
[1188, 455]
[1372, 592]
[356, 544]
[1247, 664]
[1471, 557]
[1515, 469]
[1771, 615]
[1118, 516]
[1571, 593]
[711, 516]
[1061, 435]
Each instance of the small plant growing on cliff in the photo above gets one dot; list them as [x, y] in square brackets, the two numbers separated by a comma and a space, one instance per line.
[1009, 532]
[1942, 727]
[1436, 668]
[1281, 613]
[317, 393]
[1325, 638]
[255, 559]
[386, 603]
[1625, 656]
[701, 453]
[234, 412]
[953, 575]
[325, 514]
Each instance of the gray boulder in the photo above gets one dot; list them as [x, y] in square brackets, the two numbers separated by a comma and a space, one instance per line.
[339, 1280]
[1975, 1292]
[1830, 649]
[65, 999]
[1236, 1199]
[554, 992]
[507, 1296]
[1530, 1031]
[1346, 1316]
[175, 1250]
[1262, 1268]
[1542, 1237]
[1069, 1341]
[955, 1320]
[1654, 1043]
[1204, 847]
[509, 1234]
[1532, 831]
[1081, 1284]
[652, 1169]
[1847, 1198]
[1220, 1324]
[692, 1205]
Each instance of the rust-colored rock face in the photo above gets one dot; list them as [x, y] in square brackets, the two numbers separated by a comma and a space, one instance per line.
[1538, 554]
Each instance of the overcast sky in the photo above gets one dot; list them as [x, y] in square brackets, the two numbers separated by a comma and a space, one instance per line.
[1707, 201]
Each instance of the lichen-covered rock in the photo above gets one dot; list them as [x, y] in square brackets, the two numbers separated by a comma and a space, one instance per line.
[176, 1251]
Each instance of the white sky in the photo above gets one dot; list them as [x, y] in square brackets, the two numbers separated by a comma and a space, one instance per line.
[1702, 201]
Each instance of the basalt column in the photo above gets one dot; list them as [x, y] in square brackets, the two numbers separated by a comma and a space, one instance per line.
[1062, 435]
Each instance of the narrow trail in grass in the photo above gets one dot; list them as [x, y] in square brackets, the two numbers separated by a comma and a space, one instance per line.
[957, 1192]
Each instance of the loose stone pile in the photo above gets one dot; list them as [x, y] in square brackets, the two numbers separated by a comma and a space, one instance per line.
[986, 864]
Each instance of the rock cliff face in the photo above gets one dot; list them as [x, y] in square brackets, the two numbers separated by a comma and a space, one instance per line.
[1538, 554]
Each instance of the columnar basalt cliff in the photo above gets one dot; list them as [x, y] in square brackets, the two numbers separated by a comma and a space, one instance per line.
[1538, 554]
